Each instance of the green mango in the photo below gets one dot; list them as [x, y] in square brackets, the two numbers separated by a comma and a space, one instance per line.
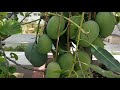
[53, 70]
[73, 28]
[84, 57]
[66, 61]
[99, 42]
[106, 22]
[44, 44]
[53, 26]
[93, 31]
[34, 57]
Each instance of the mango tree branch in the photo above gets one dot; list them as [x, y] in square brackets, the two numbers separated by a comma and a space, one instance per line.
[3, 52]
[58, 38]
[10, 16]
[23, 66]
[94, 15]
[29, 22]
[77, 44]
[68, 34]
[38, 29]
[89, 16]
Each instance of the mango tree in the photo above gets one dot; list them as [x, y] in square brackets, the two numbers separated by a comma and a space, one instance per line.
[73, 38]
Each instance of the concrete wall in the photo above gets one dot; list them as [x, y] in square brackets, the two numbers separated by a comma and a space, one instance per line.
[113, 39]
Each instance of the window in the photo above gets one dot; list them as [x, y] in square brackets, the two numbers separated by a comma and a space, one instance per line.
[35, 14]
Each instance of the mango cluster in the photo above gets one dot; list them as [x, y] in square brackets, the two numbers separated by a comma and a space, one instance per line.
[57, 28]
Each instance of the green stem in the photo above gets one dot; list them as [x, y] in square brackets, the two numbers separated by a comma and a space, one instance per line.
[80, 65]
[89, 16]
[10, 16]
[75, 73]
[23, 66]
[77, 45]
[58, 39]
[94, 15]
[37, 30]
[68, 34]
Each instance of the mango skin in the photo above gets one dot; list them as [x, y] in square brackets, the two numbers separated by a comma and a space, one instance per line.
[53, 70]
[34, 57]
[53, 25]
[66, 61]
[99, 42]
[106, 22]
[44, 44]
[93, 31]
[73, 28]
[85, 58]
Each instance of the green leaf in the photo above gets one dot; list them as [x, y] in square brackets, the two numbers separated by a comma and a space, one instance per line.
[21, 13]
[106, 58]
[12, 76]
[13, 55]
[108, 74]
[3, 15]
[2, 75]
[4, 69]
[27, 14]
[12, 69]
[10, 27]
[2, 59]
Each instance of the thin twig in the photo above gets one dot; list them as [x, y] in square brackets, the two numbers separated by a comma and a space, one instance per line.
[36, 36]
[75, 73]
[58, 39]
[7, 58]
[25, 17]
[68, 34]
[80, 65]
[29, 22]
[89, 16]
[94, 15]
[77, 44]
[23, 66]
[45, 18]
[37, 29]
[10, 16]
